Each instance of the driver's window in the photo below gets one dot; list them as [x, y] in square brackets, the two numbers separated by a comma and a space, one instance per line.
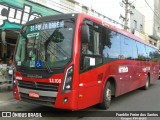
[91, 50]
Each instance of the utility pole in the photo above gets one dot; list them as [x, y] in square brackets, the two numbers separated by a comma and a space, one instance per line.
[126, 14]
[128, 6]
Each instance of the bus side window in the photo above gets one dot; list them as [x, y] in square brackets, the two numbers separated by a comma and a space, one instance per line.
[126, 47]
[142, 55]
[134, 51]
[111, 45]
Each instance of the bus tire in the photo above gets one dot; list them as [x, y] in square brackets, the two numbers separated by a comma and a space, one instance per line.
[106, 96]
[147, 83]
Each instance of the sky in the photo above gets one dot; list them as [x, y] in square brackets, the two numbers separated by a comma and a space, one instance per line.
[109, 8]
[113, 8]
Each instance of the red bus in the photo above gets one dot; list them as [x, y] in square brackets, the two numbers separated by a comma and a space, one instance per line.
[73, 61]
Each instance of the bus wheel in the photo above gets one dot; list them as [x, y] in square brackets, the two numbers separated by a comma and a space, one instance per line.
[106, 97]
[147, 83]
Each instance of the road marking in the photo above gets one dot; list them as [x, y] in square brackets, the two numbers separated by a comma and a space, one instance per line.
[8, 102]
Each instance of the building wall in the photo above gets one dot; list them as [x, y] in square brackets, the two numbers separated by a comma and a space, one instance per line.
[156, 29]
[63, 6]
[143, 8]
[137, 21]
[151, 11]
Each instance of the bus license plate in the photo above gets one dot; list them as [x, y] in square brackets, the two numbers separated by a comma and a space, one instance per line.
[34, 94]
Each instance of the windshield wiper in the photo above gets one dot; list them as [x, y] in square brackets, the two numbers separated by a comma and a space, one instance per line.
[45, 63]
[57, 50]
[60, 50]
[40, 53]
[47, 40]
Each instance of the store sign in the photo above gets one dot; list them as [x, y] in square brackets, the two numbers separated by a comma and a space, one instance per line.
[14, 13]
[17, 15]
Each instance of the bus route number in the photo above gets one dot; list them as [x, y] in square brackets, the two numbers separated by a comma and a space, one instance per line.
[55, 80]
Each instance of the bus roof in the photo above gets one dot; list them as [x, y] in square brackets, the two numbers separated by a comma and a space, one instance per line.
[51, 17]
[122, 31]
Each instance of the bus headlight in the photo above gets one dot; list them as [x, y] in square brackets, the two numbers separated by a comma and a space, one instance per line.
[67, 85]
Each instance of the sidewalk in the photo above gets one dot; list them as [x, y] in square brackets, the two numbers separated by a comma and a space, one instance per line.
[5, 89]
[6, 95]
[5, 83]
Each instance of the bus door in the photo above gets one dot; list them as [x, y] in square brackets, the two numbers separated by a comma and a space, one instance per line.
[90, 87]
[90, 72]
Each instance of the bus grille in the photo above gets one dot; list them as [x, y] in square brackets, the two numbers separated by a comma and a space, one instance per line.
[38, 86]
[42, 100]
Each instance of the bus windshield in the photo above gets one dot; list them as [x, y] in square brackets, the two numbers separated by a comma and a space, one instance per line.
[47, 43]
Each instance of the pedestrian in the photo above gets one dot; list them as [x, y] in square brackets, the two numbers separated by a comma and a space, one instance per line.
[11, 61]
[10, 72]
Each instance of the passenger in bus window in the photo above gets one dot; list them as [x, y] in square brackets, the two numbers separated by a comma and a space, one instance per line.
[85, 49]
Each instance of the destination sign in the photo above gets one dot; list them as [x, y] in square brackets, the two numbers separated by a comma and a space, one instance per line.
[46, 26]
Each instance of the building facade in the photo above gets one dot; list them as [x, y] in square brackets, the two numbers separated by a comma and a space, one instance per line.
[151, 10]
[136, 21]
[156, 29]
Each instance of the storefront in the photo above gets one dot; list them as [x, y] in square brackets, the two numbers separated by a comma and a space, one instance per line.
[13, 14]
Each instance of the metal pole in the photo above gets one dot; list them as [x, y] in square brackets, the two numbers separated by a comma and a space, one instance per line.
[126, 15]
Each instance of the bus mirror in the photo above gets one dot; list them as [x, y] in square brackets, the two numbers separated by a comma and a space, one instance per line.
[85, 33]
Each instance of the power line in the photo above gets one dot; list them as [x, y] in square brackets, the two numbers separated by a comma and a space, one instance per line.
[149, 6]
[133, 2]
[153, 11]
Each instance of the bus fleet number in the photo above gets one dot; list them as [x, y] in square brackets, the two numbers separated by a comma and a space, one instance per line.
[55, 80]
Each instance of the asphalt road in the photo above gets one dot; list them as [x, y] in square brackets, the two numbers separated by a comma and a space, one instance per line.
[138, 100]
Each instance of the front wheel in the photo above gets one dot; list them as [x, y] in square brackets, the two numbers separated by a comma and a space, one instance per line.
[106, 97]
